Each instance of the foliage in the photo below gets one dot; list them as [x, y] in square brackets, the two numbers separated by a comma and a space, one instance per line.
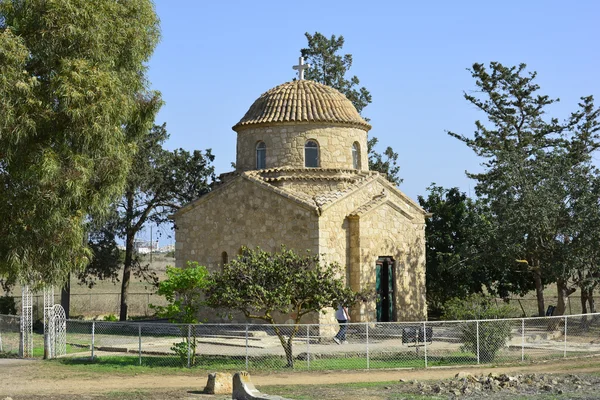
[388, 165]
[71, 74]
[110, 317]
[492, 335]
[159, 182]
[259, 284]
[8, 305]
[106, 261]
[531, 162]
[455, 235]
[329, 68]
[183, 290]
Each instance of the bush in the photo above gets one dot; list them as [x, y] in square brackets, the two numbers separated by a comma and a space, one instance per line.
[7, 305]
[110, 317]
[493, 335]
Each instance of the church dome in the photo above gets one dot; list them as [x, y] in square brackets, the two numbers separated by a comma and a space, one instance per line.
[302, 101]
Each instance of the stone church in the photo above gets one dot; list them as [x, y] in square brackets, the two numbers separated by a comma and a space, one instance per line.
[302, 179]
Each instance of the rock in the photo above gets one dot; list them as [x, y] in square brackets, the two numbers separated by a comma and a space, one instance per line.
[463, 374]
[219, 383]
[387, 387]
[243, 389]
[401, 380]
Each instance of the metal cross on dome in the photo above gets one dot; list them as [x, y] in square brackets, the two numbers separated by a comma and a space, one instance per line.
[301, 67]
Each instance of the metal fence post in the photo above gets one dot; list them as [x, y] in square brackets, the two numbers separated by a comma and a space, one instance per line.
[424, 341]
[477, 333]
[93, 337]
[523, 339]
[140, 342]
[308, 346]
[189, 353]
[367, 335]
[565, 354]
[246, 347]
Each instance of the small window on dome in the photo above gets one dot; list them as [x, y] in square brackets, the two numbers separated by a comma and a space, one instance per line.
[311, 154]
[356, 155]
[261, 155]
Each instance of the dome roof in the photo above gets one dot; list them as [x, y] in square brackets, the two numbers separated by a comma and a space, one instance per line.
[302, 101]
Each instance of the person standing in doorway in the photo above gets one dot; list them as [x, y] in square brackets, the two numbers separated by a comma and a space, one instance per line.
[342, 317]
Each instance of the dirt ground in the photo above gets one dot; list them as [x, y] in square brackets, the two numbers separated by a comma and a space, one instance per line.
[24, 380]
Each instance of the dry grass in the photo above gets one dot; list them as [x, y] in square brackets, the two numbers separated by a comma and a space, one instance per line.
[105, 297]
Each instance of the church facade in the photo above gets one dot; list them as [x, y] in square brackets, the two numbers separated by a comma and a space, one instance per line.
[302, 179]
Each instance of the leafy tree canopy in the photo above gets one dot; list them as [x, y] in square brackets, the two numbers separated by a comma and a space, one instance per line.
[330, 68]
[71, 76]
[261, 284]
[159, 182]
[183, 291]
[530, 165]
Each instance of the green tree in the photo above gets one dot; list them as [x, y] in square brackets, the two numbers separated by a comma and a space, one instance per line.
[386, 163]
[260, 284]
[183, 291]
[71, 76]
[529, 161]
[455, 237]
[159, 182]
[330, 68]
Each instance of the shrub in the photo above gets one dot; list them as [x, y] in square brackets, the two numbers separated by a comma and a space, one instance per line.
[493, 335]
[183, 291]
[7, 305]
[110, 317]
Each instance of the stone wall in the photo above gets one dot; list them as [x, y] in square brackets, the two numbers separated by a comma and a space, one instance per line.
[391, 227]
[241, 213]
[285, 145]
[355, 230]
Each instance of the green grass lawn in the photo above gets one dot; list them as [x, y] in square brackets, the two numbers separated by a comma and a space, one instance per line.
[267, 363]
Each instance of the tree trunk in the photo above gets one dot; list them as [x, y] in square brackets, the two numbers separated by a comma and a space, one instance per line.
[563, 293]
[65, 296]
[129, 248]
[129, 242]
[584, 297]
[289, 354]
[591, 301]
[539, 291]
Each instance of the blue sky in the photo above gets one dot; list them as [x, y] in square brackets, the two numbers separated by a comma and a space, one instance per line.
[216, 57]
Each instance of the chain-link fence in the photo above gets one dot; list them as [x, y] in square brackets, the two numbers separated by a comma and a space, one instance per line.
[9, 335]
[312, 347]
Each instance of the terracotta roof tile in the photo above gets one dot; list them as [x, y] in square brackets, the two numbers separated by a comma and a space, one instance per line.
[302, 101]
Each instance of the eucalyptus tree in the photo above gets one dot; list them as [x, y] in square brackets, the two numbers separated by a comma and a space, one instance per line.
[72, 73]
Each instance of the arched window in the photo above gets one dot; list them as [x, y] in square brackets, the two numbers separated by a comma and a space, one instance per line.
[311, 154]
[261, 155]
[356, 155]
[224, 258]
